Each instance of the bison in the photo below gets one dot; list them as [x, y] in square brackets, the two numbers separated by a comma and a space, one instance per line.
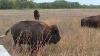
[36, 14]
[34, 33]
[92, 21]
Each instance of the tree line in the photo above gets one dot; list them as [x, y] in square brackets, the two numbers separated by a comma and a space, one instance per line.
[22, 4]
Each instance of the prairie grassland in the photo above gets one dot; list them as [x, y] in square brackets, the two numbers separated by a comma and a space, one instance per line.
[75, 40]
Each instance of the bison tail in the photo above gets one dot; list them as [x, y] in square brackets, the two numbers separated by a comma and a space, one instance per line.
[5, 33]
[2, 36]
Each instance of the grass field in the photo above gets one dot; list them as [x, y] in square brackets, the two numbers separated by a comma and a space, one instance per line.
[75, 41]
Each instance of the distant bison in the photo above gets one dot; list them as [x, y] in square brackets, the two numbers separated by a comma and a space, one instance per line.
[34, 33]
[92, 21]
[36, 14]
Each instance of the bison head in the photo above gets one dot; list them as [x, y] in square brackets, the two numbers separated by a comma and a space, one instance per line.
[55, 37]
[83, 22]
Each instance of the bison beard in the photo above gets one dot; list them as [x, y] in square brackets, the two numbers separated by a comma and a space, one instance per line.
[34, 33]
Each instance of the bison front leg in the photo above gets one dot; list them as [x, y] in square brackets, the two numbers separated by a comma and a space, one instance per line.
[33, 50]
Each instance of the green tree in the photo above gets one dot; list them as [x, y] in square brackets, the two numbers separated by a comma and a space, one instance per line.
[5, 4]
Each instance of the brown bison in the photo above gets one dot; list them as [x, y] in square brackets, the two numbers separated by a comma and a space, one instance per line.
[36, 14]
[34, 33]
[92, 21]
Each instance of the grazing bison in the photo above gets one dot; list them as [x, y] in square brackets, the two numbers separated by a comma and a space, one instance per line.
[34, 33]
[36, 14]
[92, 21]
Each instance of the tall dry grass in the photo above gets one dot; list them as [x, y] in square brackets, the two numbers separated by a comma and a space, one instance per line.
[75, 40]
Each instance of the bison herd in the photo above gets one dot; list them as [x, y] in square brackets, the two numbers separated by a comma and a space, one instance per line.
[37, 34]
